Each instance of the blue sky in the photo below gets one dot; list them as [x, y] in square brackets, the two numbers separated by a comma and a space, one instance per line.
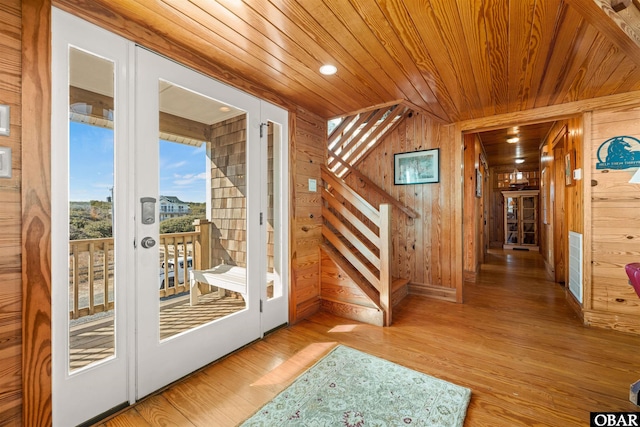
[182, 167]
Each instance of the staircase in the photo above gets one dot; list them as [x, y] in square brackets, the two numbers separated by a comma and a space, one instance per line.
[356, 280]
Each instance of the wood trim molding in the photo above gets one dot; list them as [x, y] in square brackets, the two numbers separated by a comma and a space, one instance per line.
[432, 291]
[36, 209]
[546, 114]
[560, 137]
[293, 226]
[587, 253]
[455, 135]
[628, 323]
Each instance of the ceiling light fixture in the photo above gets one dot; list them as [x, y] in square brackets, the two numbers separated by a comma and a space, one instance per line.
[225, 109]
[328, 70]
[519, 161]
[513, 140]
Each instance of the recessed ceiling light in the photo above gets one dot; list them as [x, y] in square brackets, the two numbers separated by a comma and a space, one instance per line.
[328, 69]
[513, 140]
[225, 109]
[518, 161]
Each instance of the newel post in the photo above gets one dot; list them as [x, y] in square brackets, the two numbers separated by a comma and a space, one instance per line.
[202, 245]
[385, 262]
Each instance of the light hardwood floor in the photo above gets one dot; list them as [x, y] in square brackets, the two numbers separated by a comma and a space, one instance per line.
[515, 342]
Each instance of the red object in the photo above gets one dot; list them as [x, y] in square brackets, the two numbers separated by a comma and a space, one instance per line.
[633, 271]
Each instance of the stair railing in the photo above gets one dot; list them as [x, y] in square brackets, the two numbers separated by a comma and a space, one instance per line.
[366, 181]
[367, 249]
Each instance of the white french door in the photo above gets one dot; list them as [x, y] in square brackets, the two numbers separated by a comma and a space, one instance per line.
[134, 138]
[92, 276]
[167, 94]
[274, 217]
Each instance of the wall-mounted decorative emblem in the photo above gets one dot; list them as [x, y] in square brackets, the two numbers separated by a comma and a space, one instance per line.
[619, 152]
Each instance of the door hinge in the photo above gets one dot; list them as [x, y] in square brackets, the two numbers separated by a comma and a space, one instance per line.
[260, 306]
[260, 218]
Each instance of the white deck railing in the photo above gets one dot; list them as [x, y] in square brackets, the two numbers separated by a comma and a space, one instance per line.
[91, 268]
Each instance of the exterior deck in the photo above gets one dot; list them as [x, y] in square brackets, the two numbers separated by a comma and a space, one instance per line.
[92, 338]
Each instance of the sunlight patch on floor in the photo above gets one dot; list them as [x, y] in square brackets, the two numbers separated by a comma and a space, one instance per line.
[344, 328]
[295, 365]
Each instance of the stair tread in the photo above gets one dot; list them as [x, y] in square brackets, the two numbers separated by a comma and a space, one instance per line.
[398, 282]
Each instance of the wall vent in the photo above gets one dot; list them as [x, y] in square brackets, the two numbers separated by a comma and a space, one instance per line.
[575, 265]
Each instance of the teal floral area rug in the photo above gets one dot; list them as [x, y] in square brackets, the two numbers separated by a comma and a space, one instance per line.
[354, 389]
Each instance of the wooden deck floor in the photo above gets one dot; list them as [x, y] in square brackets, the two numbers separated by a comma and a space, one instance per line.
[93, 341]
[515, 342]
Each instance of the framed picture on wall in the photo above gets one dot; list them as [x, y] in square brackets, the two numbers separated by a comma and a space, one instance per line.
[569, 166]
[417, 167]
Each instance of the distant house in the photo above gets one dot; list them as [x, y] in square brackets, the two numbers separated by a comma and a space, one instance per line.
[172, 207]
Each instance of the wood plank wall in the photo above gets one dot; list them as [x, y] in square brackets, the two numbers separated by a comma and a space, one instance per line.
[10, 221]
[424, 249]
[615, 225]
[473, 208]
[574, 204]
[36, 213]
[549, 186]
[308, 153]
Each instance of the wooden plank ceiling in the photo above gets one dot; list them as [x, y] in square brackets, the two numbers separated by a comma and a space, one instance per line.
[499, 152]
[453, 59]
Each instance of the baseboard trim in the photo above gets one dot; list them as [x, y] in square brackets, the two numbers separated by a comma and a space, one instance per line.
[470, 276]
[431, 291]
[628, 323]
[574, 304]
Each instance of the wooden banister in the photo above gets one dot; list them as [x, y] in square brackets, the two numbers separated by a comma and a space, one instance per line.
[350, 218]
[373, 121]
[376, 269]
[357, 147]
[351, 238]
[351, 257]
[350, 195]
[385, 261]
[386, 196]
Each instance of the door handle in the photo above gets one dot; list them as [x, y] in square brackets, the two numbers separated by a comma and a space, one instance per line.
[147, 242]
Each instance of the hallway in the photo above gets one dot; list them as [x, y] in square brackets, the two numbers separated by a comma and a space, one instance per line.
[515, 281]
[515, 342]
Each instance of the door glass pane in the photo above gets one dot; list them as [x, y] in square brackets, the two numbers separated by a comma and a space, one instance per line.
[202, 230]
[512, 208]
[92, 285]
[273, 252]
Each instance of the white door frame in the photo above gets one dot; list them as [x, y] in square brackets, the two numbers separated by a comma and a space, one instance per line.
[87, 392]
[275, 311]
[76, 398]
